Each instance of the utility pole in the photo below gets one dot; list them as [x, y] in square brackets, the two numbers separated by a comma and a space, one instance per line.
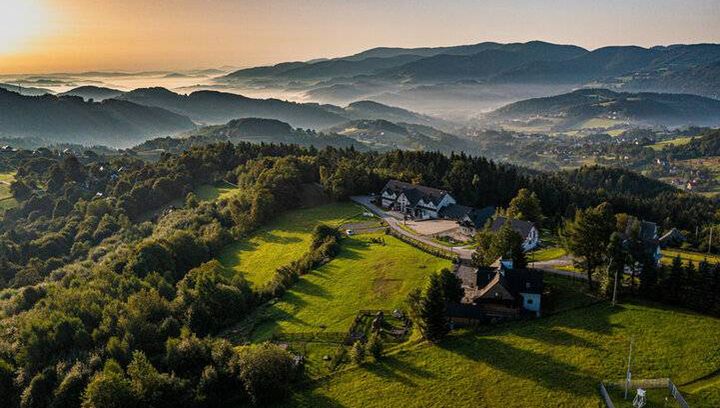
[628, 375]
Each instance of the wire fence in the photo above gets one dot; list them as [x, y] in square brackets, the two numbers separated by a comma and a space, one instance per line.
[647, 384]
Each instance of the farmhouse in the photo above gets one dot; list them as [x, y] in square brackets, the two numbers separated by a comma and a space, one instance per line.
[497, 292]
[527, 230]
[415, 200]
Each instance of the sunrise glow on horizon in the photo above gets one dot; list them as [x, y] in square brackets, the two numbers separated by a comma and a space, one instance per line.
[76, 35]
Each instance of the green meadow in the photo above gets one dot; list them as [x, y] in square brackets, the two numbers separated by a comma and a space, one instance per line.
[6, 199]
[696, 257]
[555, 361]
[364, 275]
[282, 241]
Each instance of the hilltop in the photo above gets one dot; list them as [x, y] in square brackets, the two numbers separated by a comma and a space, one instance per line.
[96, 93]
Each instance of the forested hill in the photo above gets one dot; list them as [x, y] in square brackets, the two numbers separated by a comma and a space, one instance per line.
[641, 108]
[211, 107]
[254, 130]
[70, 119]
[706, 145]
[101, 280]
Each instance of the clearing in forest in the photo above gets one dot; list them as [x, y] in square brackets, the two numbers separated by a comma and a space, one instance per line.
[282, 241]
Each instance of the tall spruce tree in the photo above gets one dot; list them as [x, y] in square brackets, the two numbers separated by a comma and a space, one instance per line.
[432, 310]
[588, 235]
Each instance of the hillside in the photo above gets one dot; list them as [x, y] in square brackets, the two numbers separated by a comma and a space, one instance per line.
[572, 109]
[255, 130]
[26, 91]
[211, 107]
[70, 119]
[385, 135]
[96, 93]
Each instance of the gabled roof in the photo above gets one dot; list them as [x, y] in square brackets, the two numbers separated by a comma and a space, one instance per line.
[672, 236]
[522, 281]
[521, 227]
[468, 215]
[415, 192]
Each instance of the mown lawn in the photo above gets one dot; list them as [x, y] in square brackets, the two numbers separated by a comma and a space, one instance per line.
[546, 254]
[672, 142]
[6, 199]
[696, 257]
[556, 361]
[364, 275]
[281, 241]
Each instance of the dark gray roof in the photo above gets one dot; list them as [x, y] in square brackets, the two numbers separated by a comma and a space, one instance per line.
[521, 227]
[648, 230]
[415, 192]
[522, 281]
[672, 237]
[477, 217]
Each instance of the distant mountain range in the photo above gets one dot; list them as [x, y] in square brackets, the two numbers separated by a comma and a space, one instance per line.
[575, 109]
[532, 69]
[130, 117]
[71, 119]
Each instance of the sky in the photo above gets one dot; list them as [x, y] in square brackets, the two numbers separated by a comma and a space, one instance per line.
[41, 36]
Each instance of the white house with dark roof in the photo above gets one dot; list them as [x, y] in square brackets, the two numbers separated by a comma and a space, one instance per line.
[527, 230]
[415, 200]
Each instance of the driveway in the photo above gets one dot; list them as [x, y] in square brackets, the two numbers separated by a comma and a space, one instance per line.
[464, 253]
[393, 222]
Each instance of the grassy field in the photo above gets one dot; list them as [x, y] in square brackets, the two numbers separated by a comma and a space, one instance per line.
[546, 254]
[596, 123]
[556, 361]
[6, 199]
[364, 275]
[672, 142]
[282, 241]
[695, 257]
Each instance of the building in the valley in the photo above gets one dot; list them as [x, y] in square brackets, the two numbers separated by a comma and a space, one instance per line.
[527, 230]
[496, 293]
[414, 200]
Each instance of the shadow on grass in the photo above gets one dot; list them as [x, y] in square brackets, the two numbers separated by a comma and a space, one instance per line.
[306, 287]
[390, 368]
[521, 363]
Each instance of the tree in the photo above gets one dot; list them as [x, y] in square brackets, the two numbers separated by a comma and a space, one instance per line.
[266, 371]
[525, 206]
[452, 286]
[375, 346]
[587, 236]
[504, 242]
[153, 388]
[431, 310]
[110, 389]
[357, 352]
[616, 265]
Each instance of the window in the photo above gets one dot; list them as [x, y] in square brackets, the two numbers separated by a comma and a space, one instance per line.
[529, 301]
